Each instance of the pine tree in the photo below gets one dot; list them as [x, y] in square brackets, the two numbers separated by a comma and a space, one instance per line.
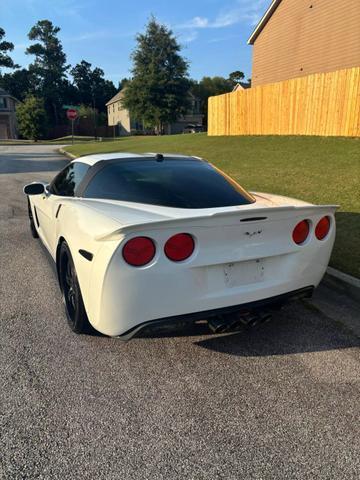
[49, 67]
[5, 47]
[158, 91]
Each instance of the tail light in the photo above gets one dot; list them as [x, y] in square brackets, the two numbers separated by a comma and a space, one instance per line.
[301, 232]
[139, 251]
[322, 228]
[179, 247]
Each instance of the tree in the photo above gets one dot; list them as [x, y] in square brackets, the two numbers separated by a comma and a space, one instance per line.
[31, 118]
[5, 47]
[18, 83]
[236, 77]
[208, 87]
[93, 89]
[158, 91]
[49, 67]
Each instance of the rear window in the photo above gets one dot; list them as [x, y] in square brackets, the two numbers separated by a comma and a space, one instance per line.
[178, 183]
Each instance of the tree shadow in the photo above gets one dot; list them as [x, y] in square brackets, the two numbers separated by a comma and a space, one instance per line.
[24, 163]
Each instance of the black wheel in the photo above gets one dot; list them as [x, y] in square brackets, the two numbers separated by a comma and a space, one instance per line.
[74, 305]
[33, 230]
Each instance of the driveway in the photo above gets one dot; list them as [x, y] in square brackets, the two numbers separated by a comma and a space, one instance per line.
[279, 402]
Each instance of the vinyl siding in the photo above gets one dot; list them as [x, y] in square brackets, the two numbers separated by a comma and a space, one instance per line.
[117, 114]
[307, 36]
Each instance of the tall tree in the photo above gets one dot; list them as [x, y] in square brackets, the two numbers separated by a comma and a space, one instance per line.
[49, 67]
[31, 118]
[5, 47]
[158, 91]
[93, 89]
[236, 77]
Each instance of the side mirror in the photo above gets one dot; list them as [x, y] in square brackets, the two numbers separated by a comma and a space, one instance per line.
[34, 188]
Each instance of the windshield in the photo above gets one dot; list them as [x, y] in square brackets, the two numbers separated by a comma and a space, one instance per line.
[178, 183]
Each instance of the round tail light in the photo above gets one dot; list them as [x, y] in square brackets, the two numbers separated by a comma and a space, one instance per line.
[301, 232]
[179, 247]
[322, 228]
[139, 251]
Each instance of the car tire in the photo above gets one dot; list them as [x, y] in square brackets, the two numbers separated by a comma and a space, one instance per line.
[33, 230]
[70, 288]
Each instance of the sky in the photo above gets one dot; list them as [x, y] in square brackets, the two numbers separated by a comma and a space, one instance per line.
[213, 33]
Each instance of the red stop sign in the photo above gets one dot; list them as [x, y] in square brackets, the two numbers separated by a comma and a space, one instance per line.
[71, 114]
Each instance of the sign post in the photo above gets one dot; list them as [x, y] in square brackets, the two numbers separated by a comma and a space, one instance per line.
[72, 114]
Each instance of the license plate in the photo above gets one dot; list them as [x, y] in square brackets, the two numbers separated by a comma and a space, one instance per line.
[244, 273]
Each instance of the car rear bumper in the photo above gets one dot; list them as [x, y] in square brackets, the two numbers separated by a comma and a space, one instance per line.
[250, 307]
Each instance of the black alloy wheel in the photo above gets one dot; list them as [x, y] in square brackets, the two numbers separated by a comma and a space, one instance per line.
[70, 288]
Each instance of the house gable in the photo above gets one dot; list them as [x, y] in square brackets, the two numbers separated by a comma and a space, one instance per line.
[296, 38]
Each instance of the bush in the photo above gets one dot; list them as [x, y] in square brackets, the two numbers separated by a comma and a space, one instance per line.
[31, 117]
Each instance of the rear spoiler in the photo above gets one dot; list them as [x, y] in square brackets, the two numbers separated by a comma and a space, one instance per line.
[198, 220]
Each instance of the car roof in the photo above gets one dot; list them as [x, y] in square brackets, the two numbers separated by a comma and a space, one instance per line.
[99, 157]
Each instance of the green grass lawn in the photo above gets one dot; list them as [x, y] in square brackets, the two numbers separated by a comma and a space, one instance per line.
[317, 169]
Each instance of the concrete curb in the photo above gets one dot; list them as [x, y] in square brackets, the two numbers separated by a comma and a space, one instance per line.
[67, 154]
[343, 282]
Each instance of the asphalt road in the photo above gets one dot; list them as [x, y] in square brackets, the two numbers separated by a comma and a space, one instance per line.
[280, 402]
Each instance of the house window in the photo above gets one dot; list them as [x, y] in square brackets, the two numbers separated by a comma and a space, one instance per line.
[3, 104]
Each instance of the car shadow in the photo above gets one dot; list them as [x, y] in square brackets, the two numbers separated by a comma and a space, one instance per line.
[298, 328]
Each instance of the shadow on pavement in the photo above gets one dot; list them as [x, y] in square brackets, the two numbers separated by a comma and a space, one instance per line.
[296, 329]
[26, 164]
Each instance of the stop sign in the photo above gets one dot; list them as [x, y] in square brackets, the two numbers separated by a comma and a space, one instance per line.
[71, 114]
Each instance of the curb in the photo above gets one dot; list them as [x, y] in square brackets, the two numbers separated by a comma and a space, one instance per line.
[343, 282]
[67, 154]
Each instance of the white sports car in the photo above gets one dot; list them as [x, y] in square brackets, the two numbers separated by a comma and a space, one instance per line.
[140, 239]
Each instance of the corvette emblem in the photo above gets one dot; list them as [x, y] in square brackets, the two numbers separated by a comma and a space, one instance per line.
[252, 234]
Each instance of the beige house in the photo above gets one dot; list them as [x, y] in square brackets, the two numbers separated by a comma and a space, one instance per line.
[120, 118]
[300, 37]
[8, 128]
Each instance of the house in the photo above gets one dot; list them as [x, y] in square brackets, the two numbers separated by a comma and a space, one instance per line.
[8, 128]
[295, 38]
[241, 86]
[124, 123]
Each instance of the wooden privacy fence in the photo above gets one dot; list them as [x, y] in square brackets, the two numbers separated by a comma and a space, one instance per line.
[321, 104]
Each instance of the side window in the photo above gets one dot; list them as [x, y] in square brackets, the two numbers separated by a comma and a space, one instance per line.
[66, 182]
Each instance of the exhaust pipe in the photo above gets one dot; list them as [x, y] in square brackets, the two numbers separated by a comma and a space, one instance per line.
[257, 319]
[233, 323]
[218, 324]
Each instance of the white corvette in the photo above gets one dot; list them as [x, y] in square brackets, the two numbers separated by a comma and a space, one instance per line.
[153, 238]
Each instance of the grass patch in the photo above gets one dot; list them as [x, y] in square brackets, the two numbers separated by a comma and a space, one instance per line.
[321, 170]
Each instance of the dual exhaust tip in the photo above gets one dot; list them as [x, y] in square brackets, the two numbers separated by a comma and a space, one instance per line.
[235, 322]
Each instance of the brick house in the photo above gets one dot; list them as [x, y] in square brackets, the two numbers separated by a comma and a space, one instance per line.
[8, 129]
[295, 38]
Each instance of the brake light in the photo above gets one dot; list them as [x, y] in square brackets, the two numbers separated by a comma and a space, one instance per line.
[322, 228]
[179, 247]
[139, 251]
[301, 232]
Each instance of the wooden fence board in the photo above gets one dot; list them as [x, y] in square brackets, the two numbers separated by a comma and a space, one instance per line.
[320, 104]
